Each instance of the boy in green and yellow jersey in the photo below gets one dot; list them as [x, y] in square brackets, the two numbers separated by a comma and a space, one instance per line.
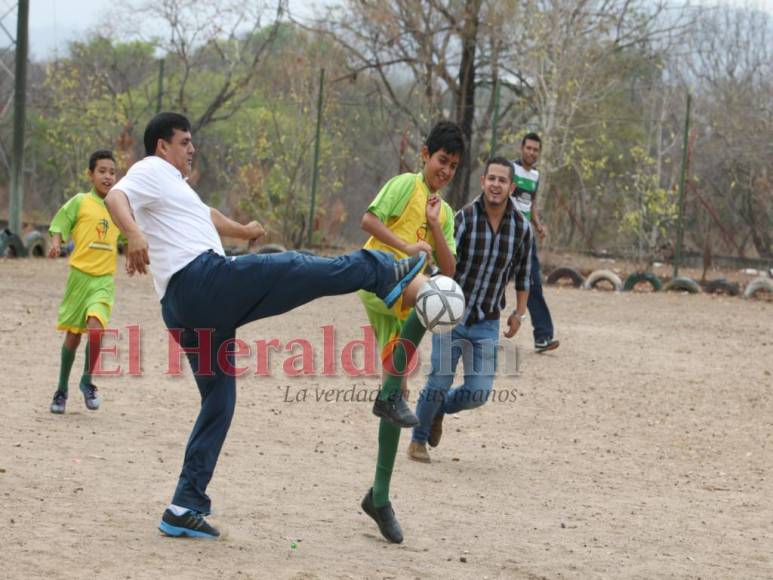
[90, 290]
[407, 217]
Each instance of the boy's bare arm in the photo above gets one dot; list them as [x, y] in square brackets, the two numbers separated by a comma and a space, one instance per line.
[56, 246]
[376, 228]
[446, 259]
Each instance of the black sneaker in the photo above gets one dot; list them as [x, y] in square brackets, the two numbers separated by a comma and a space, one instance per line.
[546, 344]
[405, 271]
[59, 402]
[395, 410]
[384, 517]
[90, 396]
[191, 524]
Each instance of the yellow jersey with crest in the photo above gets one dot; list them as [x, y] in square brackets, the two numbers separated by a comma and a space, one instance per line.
[402, 206]
[85, 219]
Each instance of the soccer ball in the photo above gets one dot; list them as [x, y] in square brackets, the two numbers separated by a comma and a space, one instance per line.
[440, 304]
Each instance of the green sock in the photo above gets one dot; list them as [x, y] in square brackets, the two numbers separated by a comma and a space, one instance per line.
[388, 438]
[86, 378]
[388, 434]
[68, 356]
[412, 332]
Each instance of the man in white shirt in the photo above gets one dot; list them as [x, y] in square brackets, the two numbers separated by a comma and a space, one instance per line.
[206, 296]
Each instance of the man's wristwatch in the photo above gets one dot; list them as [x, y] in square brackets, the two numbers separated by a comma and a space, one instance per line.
[520, 317]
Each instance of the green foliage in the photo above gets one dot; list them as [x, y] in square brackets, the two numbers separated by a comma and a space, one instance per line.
[268, 160]
[83, 117]
[650, 210]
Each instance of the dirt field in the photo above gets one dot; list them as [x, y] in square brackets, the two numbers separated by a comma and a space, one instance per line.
[641, 448]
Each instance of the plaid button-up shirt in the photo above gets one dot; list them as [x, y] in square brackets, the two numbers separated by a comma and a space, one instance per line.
[487, 260]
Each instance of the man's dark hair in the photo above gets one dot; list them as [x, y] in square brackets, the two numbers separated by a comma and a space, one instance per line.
[499, 160]
[447, 136]
[163, 126]
[97, 155]
[531, 137]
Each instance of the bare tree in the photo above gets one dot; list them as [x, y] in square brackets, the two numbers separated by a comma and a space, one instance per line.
[731, 69]
[425, 58]
[228, 37]
[567, 53]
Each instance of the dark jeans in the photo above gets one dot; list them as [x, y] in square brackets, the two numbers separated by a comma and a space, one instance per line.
[216, 295]
[538, 308]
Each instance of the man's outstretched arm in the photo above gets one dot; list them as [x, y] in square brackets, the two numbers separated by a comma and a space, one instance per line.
[229, 228]
[137, 258]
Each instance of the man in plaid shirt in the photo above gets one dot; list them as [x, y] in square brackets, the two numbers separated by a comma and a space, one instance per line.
[493, 246]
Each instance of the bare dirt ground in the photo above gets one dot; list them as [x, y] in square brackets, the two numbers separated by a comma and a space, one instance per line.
[641, 448]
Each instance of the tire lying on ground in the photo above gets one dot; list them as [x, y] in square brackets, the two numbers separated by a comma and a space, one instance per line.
[639, 277]
[722, 286]
[36, 244]
[758, 285]
[271, 249]
[603, 276]
[11, 245]
[683, 283]
[561, 273]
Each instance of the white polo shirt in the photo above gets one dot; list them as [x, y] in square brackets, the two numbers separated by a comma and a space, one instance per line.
[174, 220]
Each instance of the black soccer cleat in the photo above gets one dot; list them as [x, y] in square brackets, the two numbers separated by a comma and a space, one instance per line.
[59, 402]
[91, 396]
[395, 410]
[384, 516]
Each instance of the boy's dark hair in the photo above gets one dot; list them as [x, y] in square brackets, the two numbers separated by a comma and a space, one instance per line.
[531, 137]
[447, 136]
[97, 155]
[163, 126]
[499, 160]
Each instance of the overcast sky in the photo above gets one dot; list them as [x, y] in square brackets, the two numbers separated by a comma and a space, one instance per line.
[55, 22]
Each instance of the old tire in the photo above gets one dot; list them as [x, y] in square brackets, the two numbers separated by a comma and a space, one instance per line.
[639, 277]
[271, 249]
[603, 276]
[561, 273]
[758, 285]
[683, 283]
[11, 245]
[722, 286]
[36, 244]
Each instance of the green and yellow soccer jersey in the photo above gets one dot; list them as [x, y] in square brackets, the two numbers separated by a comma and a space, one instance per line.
[402, 206]
[85, 219]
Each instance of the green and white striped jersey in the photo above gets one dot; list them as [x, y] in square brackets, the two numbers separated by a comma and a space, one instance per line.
[526, 184]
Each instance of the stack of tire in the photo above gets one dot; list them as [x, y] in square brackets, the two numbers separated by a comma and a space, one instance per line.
[33, 244]
[678, 283]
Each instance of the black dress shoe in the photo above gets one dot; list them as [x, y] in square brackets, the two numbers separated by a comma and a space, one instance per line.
[395, 410]
[385, 518]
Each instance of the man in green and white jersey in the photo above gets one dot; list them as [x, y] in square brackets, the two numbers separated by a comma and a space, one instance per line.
[525, 195]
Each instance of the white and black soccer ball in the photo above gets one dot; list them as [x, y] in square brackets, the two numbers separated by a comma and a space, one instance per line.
[440, 304]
